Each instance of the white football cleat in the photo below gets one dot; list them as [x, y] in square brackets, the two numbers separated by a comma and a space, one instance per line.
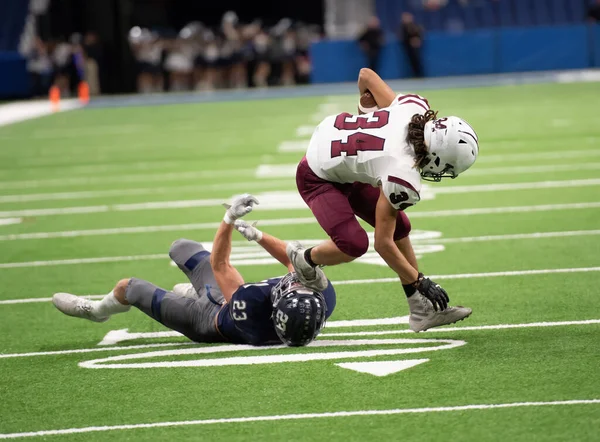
[311, 277]
[77, 307]
[185, 289]
[423, 316]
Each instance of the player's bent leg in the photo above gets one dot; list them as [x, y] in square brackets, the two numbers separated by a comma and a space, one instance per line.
[331, 208]
[348, 240]
[194, 318]
[194, 260]
[328, 253]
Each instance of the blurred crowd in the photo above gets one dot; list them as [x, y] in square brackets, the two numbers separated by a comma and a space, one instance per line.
[64, 63]
[232, 55]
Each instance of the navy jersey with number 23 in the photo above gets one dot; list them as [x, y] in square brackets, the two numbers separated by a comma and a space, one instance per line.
[246, 318]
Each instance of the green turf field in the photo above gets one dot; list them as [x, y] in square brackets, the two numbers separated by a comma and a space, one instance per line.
[98, 195]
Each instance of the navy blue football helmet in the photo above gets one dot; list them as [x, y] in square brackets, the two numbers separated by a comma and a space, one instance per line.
[298, 312]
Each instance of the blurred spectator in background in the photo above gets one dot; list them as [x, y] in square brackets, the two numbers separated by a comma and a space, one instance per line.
[234, 62]
[93, 60]
[262, 68]
[371, 42]
[208, 60]
[39, 66]
[147, 50]
[283, 51]
[410, 35]
[594, 12]
[61, 59]
[179, 62]
[305, 36]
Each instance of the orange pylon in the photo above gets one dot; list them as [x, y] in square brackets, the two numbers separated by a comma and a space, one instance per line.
[83, 91]
[54, 95]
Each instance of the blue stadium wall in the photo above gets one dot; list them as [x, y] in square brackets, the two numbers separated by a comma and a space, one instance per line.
[470, 52]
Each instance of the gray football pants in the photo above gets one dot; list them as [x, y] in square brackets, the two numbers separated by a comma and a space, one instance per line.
[192, 316]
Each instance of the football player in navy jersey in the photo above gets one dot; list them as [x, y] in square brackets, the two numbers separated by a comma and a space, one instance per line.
[219, 306]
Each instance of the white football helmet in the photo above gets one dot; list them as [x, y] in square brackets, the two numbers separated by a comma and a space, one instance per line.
[452, 147]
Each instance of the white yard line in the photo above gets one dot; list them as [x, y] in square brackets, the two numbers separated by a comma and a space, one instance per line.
[35, 300]
[305, 131]
[276, 171]
[268, 171]
[277, 201]
[476, 188]
[369, 281]
[10, 221]
[26, 110]
[293, 146]
[535, 235]
[520, 170]
[146, 229]
[510, 209]
[476, 275]
[503, 157]
[303, 416]
[282, 184]
[289, 170]
[462, 329]
[125, 178]
[274, 184]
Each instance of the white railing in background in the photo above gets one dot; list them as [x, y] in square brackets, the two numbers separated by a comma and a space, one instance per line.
[347, 18]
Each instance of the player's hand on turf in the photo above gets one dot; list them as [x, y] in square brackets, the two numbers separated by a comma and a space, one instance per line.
[432, 291]
[240, 206]
[248, 231]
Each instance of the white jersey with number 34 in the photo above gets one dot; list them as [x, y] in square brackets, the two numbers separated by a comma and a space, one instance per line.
[371, 148]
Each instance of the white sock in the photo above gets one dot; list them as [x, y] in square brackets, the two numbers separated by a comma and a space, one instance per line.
[108, 306]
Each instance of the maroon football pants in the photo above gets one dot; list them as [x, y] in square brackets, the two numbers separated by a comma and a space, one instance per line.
[336, 206]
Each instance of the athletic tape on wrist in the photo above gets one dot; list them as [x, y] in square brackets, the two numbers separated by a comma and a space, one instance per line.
[228, 219]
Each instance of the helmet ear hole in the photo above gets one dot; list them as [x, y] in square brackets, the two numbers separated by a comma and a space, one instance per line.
[437, 161]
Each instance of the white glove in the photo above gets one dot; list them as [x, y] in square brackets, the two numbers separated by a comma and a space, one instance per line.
[240, 206]
[248, 231]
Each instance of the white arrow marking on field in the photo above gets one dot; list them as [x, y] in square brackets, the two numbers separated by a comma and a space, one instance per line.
[398, 348]
[115, 336]
[381, 368]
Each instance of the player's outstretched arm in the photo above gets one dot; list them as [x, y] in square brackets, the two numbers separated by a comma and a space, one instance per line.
[270, 243]
[227, 276]
[369, 80]
[385, 224]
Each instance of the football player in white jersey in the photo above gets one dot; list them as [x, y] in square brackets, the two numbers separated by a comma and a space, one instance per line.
[371, 166]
